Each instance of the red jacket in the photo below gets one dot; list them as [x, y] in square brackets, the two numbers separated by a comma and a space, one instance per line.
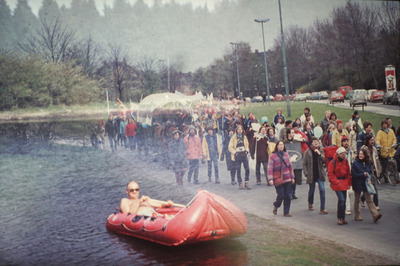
[304, 145]
[194, 148]
[339, 174]
[130, 129]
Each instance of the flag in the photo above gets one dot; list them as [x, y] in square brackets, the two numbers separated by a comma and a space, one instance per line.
[122, 107]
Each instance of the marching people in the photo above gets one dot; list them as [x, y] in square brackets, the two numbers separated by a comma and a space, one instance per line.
[279, 126]
[283, 132]
[239, 148]
[373, 155]
[338, 134]
[212, 153]
[111, 131]
[226, 153]
[340, 180]
[314, 171]
[350, 156]
[130, 132]
[300, 136]
[293, 147]
[194, 154]
[278, 114]
[386, 139]
[333, 119]
[306, 113]
[259, 152]
[177, 156]
[325, 120]
[363, 134]
[327, 139]
[122, 126]
[361, 170]
[281, 175]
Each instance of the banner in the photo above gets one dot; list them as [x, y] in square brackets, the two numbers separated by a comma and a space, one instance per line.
[390, 74]
[295, 154]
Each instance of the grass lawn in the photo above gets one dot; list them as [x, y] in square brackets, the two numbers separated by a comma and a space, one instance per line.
[317, 111]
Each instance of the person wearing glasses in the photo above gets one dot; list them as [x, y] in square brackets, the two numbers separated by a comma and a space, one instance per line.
[140, 206]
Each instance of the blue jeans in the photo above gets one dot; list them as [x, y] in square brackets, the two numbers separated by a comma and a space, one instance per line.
[193, 168]
[283, 194]
[341, 205]
[321, 186]
[113, 145]
[239, 159]
[131, 142]
[213, 159]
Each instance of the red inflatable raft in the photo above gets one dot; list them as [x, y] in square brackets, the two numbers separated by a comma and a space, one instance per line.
[207, 217]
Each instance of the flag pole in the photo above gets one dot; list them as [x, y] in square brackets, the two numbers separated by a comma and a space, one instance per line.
[108, 104]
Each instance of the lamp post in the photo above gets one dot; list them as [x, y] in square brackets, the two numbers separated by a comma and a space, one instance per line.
[284, 64]
[237, 66]
[262, 21]
[168, 74]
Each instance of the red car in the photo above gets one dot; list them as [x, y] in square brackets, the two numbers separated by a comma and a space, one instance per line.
[278, 97]
[376, 96]
[336, 97]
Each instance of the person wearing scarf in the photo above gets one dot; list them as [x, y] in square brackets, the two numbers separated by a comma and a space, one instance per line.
[385, 138]
[239, 148]
[259, 152]
[279, 165]
[314, 172]
[340, 178]
[360, 170]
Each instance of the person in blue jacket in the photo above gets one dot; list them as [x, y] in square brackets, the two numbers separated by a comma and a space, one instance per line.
[361, 169]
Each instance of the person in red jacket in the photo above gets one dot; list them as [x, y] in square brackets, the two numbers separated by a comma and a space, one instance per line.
[340, 178]
[194, 154]
[130, 132]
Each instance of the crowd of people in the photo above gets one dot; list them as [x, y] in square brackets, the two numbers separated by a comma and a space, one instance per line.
[348, 153]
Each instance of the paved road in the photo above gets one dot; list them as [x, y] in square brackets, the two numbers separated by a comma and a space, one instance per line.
[379, 108]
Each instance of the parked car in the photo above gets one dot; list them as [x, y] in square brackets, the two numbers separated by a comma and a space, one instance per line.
[394, 99]
[358, 99]
[278, 97]
[336, 97]
[324, 94]
[308, 95]
[300, 97]
[247, 99]
[344, 90]
[257, 99]
[348, 95]
[361, 91]
[315, 96]
[376, 96]
[387, 97]
[370, 93]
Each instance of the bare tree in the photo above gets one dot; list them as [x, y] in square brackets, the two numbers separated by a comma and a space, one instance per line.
[148, 70]
[52, 41]
[120, 69]
[87, 55]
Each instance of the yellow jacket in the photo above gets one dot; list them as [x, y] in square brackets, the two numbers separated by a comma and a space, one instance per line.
[206, 151]
[233, 143]
[337, 137]
[386, 140]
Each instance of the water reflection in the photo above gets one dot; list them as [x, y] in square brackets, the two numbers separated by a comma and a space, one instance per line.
[55, 200]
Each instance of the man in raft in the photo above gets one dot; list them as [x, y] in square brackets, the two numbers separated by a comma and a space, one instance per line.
[141, 206]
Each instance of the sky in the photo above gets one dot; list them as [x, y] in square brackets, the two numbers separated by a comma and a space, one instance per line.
[302, 13]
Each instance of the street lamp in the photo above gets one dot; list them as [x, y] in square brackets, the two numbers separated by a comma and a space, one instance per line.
[284, 63]
[262, 21]
[237, 65]
[168, 74]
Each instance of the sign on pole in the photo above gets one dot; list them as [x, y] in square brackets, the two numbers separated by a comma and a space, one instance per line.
[390, 73]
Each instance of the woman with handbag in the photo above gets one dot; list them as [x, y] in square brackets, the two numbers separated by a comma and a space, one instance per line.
[361, 173]
[280, 174]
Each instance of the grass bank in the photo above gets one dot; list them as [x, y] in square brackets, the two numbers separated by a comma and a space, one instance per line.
[317, 111]
[269, 243]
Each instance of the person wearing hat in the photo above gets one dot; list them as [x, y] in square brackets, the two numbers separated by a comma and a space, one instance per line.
[282, 133]
[303, 117]
[226, 153]
[194, 154]
[177, 156]
[338, 134]
[212, 152]
[239, 148]
[339, 176]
